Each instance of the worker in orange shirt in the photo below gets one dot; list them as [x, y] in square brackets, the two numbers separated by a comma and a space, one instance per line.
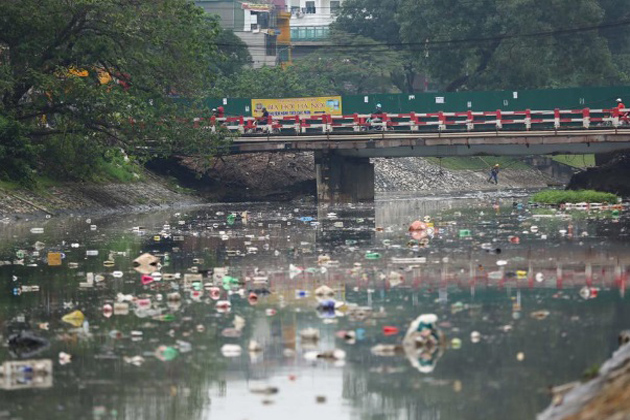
[623, 116]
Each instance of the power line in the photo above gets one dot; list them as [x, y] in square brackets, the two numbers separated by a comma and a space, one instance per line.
[430, 43]
[343, 6]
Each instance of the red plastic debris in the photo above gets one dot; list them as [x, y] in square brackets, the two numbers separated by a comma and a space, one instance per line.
[390, 330]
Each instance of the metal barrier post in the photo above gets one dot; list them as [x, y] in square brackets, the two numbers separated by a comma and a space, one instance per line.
[470, 123]
[528, 119]
[556, 118]
[586, 118]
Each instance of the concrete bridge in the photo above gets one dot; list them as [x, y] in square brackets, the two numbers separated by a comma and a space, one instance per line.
[344, 172]
[343, 145]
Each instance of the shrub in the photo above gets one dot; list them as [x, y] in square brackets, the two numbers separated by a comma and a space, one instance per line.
[570, 196]
[17, 154]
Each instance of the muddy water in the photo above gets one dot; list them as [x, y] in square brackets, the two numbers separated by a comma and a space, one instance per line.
[524, 298]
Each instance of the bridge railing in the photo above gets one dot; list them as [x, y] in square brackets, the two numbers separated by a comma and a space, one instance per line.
[526, 120]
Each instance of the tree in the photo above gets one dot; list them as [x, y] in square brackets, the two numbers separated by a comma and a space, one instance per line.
[234, 54]
[618, 37]
[376, 20]
[272, 82]
[101, 73]
[352, 64]
[490, 44]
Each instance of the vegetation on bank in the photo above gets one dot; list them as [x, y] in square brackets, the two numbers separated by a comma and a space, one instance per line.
[570, 196]
[576, 161]
[87, 87]
[478, 163]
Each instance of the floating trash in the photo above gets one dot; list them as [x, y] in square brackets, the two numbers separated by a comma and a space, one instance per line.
[74, 318]
[231, 350]
[166, 353]
[540, 315]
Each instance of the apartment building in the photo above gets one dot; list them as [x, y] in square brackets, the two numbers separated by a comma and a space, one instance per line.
[275, 30]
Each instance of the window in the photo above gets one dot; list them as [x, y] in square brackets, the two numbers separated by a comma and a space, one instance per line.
[270, 45]
[334, 7]
[310, 7]
[295, 10]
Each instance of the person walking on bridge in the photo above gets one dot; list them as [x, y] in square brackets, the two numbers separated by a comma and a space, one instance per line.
[494, 172]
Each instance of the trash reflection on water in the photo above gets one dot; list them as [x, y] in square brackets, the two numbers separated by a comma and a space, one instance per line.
[409, 308]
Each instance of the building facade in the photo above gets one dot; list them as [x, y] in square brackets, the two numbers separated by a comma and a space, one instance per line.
[257, 24]
[311, 19]
[274, 29]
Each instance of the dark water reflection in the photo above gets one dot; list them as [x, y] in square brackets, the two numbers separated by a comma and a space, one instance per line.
[455, 275]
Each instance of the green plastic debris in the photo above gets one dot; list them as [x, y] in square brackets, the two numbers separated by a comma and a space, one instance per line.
[464, 233]
[372, 256]
[229, 282]
[19, 254]
[615, 213]
[166, 353]
[231, 219]
[456, 343]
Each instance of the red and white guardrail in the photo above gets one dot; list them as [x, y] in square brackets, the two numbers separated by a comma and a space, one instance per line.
[432, 121]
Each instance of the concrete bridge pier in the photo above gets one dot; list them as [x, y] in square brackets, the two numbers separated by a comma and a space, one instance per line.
[343, 179]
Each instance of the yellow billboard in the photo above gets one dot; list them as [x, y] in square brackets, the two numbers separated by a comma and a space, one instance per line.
[303, 107]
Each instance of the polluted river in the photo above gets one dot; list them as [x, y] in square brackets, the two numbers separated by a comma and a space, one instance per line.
[454, 307]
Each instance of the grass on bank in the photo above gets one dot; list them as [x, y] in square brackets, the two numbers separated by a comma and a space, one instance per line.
[479, 163]
[104, 172]
[570, 196]
[576, 161]
[116, 171]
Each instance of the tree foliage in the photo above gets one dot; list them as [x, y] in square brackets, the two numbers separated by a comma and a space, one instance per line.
[499, 44]
[234, 54]
[353, 65]
[272, 82]
[489, 44]
[342, 71]
[376, 20]
[55, 56]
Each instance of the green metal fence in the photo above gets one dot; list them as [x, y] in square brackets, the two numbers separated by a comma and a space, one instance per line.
[571, 98]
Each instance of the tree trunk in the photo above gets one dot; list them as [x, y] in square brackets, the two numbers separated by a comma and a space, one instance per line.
[486, 57]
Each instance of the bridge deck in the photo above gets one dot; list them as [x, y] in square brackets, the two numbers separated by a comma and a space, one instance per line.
[406, 144]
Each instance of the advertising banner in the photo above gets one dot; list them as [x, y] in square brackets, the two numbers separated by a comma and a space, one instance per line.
[257, 7]
[298, 106]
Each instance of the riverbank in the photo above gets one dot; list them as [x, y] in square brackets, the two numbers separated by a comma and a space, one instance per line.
[613, 176]
[67, 198]
[275, 176]
[417, 174]
[255, 177]
[605, 397]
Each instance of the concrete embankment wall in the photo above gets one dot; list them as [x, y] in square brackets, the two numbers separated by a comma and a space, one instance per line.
[262, 176]
[93, 198]
[417, 174]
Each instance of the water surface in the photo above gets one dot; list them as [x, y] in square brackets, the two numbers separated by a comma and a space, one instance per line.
[485, 266]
